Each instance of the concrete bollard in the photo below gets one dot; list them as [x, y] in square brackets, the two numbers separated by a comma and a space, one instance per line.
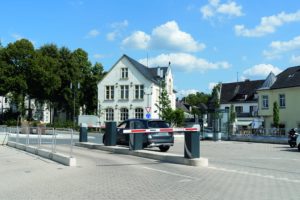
[110, 134]
[192, 145]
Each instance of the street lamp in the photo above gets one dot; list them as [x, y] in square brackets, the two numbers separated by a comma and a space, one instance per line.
[74, 97]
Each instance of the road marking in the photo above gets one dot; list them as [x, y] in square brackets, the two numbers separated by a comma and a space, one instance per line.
[170, 173]
[255, 174]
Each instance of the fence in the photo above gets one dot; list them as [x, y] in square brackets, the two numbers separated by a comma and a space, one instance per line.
[43, 138]
[275, 132]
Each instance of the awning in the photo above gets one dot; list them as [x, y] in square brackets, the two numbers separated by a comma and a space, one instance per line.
[243, 123]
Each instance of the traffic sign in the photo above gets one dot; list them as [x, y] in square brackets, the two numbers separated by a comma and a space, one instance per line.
[148, 115]
[148, 109]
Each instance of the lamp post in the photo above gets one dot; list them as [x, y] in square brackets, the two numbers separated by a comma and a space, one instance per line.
[74, 101]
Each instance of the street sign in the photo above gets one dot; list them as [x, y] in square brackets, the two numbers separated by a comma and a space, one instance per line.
[148, 115]
[148, 109]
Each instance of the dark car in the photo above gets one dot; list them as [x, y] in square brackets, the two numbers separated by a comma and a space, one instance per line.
[162, 140]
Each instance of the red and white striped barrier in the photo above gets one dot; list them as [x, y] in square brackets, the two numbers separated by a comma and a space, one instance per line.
[155, 130]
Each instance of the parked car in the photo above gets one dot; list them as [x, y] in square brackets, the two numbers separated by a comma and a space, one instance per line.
[162, 140]
[208, 134]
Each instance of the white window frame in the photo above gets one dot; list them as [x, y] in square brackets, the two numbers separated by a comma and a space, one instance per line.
[109, 92]
[124, 92]
[109, 114]
[124, 73]
[282, 102]
[265, 102]
[124, 114]
[139, 113]
[139, 92]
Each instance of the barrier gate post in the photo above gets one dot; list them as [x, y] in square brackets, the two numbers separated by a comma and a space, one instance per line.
[135, 139]
[83, 133]
[110, 134]
[192, 145]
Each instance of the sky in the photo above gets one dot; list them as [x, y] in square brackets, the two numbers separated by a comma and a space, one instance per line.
[206, 41]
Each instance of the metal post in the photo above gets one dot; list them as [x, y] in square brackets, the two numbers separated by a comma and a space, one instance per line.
[192, 145]
[111, 134]
[52, 148]
[39, 137]
[71, 147]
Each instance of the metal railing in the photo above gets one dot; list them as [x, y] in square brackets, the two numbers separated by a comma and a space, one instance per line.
[42, 137]
[276, 132]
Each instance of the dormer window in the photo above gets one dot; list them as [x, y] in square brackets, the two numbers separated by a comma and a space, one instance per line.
[124, 73]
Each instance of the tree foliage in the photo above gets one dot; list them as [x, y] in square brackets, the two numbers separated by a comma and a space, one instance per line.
[275, 114]
[232, 114]
[45, 74]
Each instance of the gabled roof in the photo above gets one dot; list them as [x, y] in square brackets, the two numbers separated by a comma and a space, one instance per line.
[239, 91]
[149, 73]
[288, 78]
[270, 80]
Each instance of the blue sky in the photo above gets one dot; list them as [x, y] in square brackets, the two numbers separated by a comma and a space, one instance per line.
[206, 41]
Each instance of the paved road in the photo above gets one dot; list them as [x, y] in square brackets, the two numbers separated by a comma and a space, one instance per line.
[237, 171]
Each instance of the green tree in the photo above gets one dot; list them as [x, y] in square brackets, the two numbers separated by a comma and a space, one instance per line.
[178, 117]
[275, 114]
[19, 57]
[164, 104]
[195, 101]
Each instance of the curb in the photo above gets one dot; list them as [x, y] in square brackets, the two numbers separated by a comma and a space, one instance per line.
[57, 157]
[166, 157]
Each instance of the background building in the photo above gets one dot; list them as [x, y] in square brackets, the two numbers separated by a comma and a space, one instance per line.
[131, 90]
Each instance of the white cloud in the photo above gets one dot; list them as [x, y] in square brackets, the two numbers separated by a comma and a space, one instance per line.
[120, 25]
[214, 7]
[138, 40]
[261, 70]
[268, 24]
[118, 28]
[111, 36]
[167, 36]
[185, 62]
[280, 47]
[295, 60]
[98, 56]
[92, 33]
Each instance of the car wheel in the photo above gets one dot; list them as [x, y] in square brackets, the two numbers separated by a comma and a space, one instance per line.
[292, 145]
[164, 148]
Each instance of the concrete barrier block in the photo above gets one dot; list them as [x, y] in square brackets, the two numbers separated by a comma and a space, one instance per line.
[31, 149]
[44, 153]
[63, 159]
[11, 144]
[21, 146]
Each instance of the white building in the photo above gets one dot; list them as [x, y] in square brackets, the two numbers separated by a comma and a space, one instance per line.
[131, 90]
[243, 97]
[4, 103]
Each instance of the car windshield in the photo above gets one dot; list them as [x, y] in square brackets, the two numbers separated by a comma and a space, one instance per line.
[157, 124]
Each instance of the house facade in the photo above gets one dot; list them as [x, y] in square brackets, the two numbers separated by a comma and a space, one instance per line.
[244, 99]
[131, 90]
[285, 90]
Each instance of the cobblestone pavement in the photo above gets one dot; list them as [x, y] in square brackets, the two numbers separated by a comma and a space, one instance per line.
[236, 171]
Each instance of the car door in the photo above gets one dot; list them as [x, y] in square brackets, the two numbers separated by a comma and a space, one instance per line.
[121, 137]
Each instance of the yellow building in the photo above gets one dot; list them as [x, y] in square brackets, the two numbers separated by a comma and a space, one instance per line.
[285, 90]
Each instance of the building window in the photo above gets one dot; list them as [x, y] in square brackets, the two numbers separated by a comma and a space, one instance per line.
[124, 92]
[139, 113]
[124, 73]
[265, 102]
[253, 110]
[109, 114]
[282, 100]
[239, 109]
[139, 92]
[109, 92]
[123, 114]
